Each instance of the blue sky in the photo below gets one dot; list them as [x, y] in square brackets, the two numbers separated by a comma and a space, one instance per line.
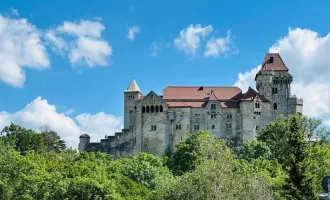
[69, 88]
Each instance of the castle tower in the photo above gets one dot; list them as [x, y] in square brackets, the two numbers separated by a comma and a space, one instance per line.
[274, 82]
[131, 97]
[84, 141]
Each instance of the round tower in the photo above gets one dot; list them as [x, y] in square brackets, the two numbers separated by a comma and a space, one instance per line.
[84, 141]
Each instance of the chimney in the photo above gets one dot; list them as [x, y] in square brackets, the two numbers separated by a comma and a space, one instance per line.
[212, 91]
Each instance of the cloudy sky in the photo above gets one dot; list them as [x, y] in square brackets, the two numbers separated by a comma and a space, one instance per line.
[66, 63]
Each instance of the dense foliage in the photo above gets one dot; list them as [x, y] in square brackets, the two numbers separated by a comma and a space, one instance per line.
[287, 161]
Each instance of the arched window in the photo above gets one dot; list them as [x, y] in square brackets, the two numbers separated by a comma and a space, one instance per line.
[152, 109]
[143, 109]
[147, 109]
[257, 104]
[160, 108]
[157, 109]
[275, 106]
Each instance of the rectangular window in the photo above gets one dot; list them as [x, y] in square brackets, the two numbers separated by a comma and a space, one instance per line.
[178, 127]
[181, 116]
[131, 112]
[153, 128]
[197, 116]
[213, 106]
[213, 116]
[213, 126]
[228, 125]
[274, 90]
[229, 116]
[196, 127]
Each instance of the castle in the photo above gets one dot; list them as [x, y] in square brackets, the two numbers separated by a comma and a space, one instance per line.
[154, 123]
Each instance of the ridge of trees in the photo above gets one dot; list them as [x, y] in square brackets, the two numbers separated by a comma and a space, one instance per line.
[287, 161]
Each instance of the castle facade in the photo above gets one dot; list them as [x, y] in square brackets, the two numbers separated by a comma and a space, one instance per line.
[154, 123]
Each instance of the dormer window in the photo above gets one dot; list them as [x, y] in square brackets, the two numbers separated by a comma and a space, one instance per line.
[257, 104]
[213, 106]
[271, 59]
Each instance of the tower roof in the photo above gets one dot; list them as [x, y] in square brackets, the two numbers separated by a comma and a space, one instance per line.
[133, 87]
[273, 62]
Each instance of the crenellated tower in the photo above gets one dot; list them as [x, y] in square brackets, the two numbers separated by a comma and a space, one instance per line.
[273, 81]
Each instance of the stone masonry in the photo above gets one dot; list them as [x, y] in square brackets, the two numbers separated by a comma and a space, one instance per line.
[154, 123]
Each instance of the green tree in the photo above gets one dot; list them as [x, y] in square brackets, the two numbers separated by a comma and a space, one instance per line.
[189, 153]
[52, 140]
[252, 150]
[22, 139]
[301, 183]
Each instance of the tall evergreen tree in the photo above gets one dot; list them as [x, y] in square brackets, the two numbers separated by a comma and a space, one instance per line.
[300, 183]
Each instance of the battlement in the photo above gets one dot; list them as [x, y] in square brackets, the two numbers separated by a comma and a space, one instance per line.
[294, 100]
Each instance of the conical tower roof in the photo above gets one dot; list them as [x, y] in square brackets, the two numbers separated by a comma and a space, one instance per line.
[133, 87]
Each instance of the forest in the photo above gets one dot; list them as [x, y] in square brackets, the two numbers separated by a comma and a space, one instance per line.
[288, 160]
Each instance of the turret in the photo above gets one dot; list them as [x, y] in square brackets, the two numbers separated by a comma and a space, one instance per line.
[273, 81]
[84, 141]
[131, 97]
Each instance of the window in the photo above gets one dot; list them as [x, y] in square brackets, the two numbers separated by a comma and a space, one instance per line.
[156, 108]
[147, 109]
[257, 113]
[196, 127]
[271, 59]
[131, 97]
[213, 126]
[274, 90]
[213, 106]
[143, 109]
[257, 104]
[213, 116]
[228, 125]
[131, 112]
[153, 128]
[229, 116]
[257, 127]
[152, 109]
[181, 116]
[178, 127]
[275, 106]
[160, 108]
[197, 116]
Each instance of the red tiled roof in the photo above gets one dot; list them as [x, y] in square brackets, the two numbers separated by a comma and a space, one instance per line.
[213, 97]
[277, 65]
[199, 93]
[251, 93]
[185, 104]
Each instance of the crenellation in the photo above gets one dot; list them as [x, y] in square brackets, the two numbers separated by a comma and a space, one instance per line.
[153, 123]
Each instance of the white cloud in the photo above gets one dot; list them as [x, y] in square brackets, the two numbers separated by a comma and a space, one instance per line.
[306, 54]
[69, 112]
[56, 43]
[246, 80]
[39, 112]
[132, 32]
[20, 46]
[83, 28]
[190, 38]
[14, 11]
[90, 51]
[155, 47]
[87, 47]
[216, 46]
[100, 124]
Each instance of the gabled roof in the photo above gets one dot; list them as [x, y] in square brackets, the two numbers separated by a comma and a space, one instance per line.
[276, 65]
[199, 92]
[213, 97]
[133, 87]
[251, 94]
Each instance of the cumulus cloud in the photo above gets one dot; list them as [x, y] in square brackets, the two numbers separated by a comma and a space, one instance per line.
[190, 38]
[87, 47]
[246, 80]
[193, 37]
[20, 46]
[56, 43]
[132, 32]
[217, 46]
[100, 124]
[306, 54]
[39, 113]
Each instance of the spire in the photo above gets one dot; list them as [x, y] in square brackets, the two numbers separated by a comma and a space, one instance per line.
[133, 87]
